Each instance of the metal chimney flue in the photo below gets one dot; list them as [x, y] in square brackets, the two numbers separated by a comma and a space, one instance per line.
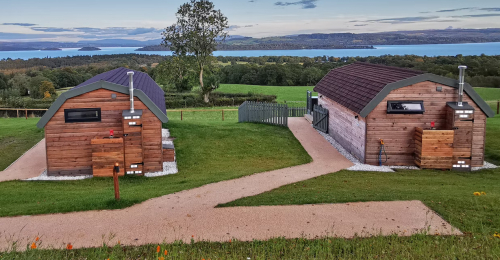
[461, 82]
[131, 90]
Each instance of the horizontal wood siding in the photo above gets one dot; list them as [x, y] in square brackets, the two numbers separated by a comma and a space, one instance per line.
[397, 131]
[345, 128]
[69, 151]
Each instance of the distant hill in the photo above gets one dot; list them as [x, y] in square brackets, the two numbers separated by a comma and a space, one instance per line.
[301, 41]
[89, 49]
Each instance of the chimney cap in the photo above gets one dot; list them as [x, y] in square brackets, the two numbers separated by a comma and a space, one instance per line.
[130, 73]
[462, 67]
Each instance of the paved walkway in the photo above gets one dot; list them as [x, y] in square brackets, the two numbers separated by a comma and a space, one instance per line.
[30, 165]
[182, 215]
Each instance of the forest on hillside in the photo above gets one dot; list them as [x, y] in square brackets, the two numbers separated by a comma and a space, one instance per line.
[35, 82]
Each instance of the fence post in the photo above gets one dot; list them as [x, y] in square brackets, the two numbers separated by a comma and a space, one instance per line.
[498, 107]
[17, 113]
[26, 111]
[181, 115]
[222, 114]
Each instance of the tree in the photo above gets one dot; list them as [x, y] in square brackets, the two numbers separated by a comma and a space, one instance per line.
[178, 72]
[48, 90]
[3, 82]
[35, 86]
[198, 30]
[20, 83]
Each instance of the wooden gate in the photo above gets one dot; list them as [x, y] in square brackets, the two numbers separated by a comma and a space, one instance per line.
[320, 118]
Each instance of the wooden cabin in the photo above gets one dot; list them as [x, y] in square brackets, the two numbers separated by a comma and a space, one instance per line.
[114, 117]
[368, 103]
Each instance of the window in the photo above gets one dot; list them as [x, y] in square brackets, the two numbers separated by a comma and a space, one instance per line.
[82, 115]
[405, 107]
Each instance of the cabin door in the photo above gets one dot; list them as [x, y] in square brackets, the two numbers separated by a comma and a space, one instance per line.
[132, 141]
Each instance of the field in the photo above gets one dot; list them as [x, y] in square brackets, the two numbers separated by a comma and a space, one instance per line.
[283, 93]
[489, 94]
[16, 137]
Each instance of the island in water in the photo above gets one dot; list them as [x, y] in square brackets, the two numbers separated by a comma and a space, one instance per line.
[52, 49]
[89, 49]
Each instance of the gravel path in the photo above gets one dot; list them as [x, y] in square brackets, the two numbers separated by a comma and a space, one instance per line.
[192, 213]
[29, 165]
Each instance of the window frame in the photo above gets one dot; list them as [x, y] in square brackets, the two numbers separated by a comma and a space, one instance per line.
[390, 110]
[80, 120]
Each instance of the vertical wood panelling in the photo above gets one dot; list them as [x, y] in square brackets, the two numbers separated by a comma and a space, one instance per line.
[345, 128]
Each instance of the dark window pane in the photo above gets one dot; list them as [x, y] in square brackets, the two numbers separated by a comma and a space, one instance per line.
[82, 115]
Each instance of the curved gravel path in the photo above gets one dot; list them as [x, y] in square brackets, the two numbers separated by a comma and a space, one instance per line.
[191, 213]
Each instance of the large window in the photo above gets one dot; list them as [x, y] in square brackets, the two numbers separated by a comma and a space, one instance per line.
[405, 107]
[82, 115]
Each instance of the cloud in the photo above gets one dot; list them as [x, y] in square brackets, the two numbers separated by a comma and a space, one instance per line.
[23, 36]
[139, 31]
[234, 27]
[455, 10]
[51, 29]
[475, 15]
[361, 24]
[20, 24]
[306, 4]
[400, 20]
[494, 9]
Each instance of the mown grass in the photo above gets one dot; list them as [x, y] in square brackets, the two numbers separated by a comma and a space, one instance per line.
[283, 93]
[489, 93]
[391, 247]
[206, 153]
[17, 135]
[205, 114]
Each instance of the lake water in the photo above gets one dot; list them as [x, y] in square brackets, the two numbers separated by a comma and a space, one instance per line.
[421, 50]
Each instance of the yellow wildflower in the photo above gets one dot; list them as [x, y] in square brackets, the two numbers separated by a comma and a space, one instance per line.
[483, 193]
[477, 193]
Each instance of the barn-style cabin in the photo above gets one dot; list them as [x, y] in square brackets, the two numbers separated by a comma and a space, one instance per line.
[114, 117]
[394, 116]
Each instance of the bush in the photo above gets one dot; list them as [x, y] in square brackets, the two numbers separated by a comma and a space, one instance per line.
[181, 100]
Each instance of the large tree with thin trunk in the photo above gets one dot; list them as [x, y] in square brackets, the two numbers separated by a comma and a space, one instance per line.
[197, 32]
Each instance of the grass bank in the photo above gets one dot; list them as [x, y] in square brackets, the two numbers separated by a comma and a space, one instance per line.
[17, 135]
[392, 247]
[206, 153]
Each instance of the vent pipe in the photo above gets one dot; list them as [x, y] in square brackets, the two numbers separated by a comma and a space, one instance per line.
[131, 90]
[461, 82]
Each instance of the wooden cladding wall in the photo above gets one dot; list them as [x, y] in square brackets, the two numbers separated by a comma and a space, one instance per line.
[345, 128]
[69, 151]
[397, 130]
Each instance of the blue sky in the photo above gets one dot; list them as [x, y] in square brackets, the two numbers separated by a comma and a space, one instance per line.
[58, 20]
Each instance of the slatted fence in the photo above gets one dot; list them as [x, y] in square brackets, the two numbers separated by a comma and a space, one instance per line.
[266, 113]
[297, 111]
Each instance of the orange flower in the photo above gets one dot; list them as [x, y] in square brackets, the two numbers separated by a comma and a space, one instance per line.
[192, 235]
[229, 240]
[161, 258]
[37, 238]
[166, 252]
[33, 246]
[69, 246]
[158, 249]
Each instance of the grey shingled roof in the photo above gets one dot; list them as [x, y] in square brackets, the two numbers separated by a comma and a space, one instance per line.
[362, 86]
[142, 81]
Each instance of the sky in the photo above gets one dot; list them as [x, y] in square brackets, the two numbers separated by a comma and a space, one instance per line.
[71, 21]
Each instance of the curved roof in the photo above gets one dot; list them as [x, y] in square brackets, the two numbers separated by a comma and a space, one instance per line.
[361, 86]
[145, 88]
[142, 81]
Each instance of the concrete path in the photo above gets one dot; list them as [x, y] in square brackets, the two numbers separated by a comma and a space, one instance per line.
[29, 165]
[191, 213]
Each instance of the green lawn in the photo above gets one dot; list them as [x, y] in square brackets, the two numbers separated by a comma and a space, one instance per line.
[489, 93]
[230, 114]
[17, 135]
[206, 153]
[283, 93]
